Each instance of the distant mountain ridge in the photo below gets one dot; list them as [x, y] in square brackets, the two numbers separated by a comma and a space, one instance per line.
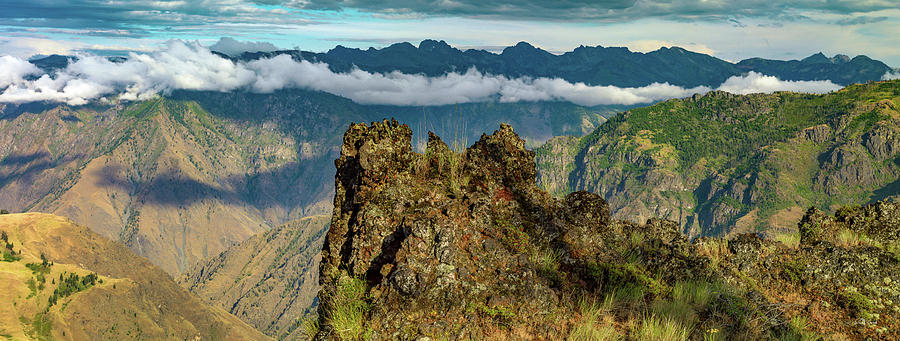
[597, 65]
[592, 65]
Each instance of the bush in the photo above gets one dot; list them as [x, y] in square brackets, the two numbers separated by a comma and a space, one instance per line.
[4, 212]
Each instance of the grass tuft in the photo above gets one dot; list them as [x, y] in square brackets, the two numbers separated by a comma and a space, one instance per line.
[347, 309]
[654, 328]
[596, 321]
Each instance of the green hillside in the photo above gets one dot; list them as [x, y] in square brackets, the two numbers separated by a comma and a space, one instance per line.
[721, 162]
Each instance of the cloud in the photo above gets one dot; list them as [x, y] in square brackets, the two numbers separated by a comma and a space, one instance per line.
[613, 10]
[232, 47]
[756, 83]
[28, 46]
[860, 20]
[891, 75]
[190, 66]
[136, 17]
[13, 71]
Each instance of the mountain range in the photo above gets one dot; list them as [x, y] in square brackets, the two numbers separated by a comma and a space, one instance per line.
[180, 178]
[597, 65]
[213, 187]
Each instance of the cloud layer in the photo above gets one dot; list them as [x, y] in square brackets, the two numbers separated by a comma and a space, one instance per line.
[887, 75]
[232, 47]
[190, 66]
[613, 10]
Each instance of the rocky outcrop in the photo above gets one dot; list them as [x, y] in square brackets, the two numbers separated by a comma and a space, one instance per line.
[467, 246]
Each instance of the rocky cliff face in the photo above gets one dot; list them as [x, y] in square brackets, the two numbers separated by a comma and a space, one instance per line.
[722, 163]
[464, 245]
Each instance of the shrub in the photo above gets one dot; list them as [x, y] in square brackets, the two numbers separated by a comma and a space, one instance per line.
[4, 212]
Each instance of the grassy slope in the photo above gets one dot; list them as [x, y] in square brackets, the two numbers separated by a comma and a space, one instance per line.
[720, 140]
[133, 298]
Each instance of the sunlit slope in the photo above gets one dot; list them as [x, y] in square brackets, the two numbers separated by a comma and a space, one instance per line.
[721, 162]
[63, 281]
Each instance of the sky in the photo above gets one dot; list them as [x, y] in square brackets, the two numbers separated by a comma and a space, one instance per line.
[728, 29]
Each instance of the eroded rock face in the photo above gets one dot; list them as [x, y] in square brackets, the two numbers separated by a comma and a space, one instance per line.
[447, 243]
[467, 246]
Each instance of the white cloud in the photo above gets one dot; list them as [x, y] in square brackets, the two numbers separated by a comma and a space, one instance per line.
[756, 82]
[232, 47]
[13, 71]
[190, 66]
[891, 76]
[29, 46]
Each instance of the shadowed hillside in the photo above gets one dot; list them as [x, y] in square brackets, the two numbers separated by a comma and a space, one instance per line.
[181, 178]
[269, 281]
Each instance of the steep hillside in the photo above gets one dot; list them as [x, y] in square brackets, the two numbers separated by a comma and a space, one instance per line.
[62, 281]
[269, 281]
[722, 163]
[466, 246]
[179, 179]
[173, 182]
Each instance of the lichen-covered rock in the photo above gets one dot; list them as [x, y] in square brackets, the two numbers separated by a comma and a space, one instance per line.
[465, 245]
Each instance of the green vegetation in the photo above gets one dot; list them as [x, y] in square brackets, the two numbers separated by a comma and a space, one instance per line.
[310, 326]
[513, 236]
[755, 153]
[596, 321]
[655, 328]
[71, 284]
[860, 305]
[40, 326]
[4, 212]
[798, 330]
[790, 239]
[9, 253]
[546, 262]
[40, 271]
[347, 309]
